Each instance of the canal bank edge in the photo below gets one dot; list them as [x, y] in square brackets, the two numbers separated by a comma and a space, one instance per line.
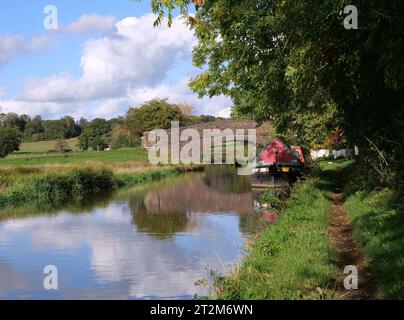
[298, 257]
[32, 186]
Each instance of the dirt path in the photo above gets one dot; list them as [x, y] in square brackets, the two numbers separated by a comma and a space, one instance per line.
[348, 252]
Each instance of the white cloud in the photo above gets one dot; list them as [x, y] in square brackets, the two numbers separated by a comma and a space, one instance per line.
[131, 262]
[10, 46]
[112, 107]
[90, 23]
[135, 54]
[47, 109]
[125, 67]
[2, 91]
[14, 45]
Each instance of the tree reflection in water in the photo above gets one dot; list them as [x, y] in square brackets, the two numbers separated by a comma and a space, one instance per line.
[167, 209]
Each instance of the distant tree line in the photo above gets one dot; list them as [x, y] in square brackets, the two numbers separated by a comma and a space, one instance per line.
[97, 134]
[37, 129]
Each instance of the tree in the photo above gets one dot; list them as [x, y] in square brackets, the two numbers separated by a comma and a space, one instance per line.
[98, 143]
[286, 61]
[62, 146]
[186, 109]
[70, 128]
[33, 127]
[154, 114]
[84, 139]
[10, 141]
[93, 136]
[121, 138]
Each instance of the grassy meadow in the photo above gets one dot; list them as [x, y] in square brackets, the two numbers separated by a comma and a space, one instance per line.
[36, 175]
[138, 154]
[46, 146]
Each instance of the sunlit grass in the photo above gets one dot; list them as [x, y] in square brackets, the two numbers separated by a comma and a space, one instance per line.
[138, 154]
[378, 224]
[46, 146]
[292, 259]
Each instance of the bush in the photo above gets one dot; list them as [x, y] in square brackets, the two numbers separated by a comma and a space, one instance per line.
[269, 197]
[10, 141]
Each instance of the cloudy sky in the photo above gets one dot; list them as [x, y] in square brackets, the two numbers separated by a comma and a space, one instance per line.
[104, 57]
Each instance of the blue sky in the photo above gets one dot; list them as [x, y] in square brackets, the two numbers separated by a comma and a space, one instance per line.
[104, 57]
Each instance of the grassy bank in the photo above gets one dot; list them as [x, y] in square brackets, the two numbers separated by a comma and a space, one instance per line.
[292, 259]
[153, 174]
[31, 185]
[58, 184]
[377, 218]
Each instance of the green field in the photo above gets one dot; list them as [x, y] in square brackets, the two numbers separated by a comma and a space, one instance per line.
[137, 154]
[45, 146]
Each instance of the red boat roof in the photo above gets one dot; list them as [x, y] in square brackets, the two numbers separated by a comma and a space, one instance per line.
[277, 152]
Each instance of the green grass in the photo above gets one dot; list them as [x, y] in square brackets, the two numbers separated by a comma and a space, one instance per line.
[153, 174]
[30, 186]
[46, 146]
[137, 154]
[378, 223]
[334, 164]
[21, 186]
[292, 259]
[377, 218]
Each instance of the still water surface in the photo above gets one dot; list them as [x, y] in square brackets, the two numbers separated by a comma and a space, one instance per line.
[150, 242]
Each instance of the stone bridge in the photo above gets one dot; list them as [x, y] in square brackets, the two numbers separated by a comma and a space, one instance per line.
[263, 131]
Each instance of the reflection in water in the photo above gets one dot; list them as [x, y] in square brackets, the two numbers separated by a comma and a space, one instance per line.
[153, 241]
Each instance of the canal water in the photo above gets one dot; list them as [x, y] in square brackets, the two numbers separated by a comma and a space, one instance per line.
[156, 241]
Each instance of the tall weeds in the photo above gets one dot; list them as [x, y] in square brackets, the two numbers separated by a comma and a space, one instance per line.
[53, 187]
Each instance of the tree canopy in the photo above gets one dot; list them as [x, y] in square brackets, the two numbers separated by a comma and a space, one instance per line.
[157, 113]
[294, 63]
[93, 135]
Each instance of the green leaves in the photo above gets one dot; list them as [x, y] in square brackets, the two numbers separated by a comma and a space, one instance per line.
[154, 114]
[294, 63]
[10, 140]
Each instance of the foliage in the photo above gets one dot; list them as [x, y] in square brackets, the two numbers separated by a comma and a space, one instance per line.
[288, 61]
[121, 138]
[147, 176]
[55, 185]
[35, 129]
[273, 201]
[93, 136]
[10, 141]
[52, 187]
[98, 134]
[62, 146]
[154, 114]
